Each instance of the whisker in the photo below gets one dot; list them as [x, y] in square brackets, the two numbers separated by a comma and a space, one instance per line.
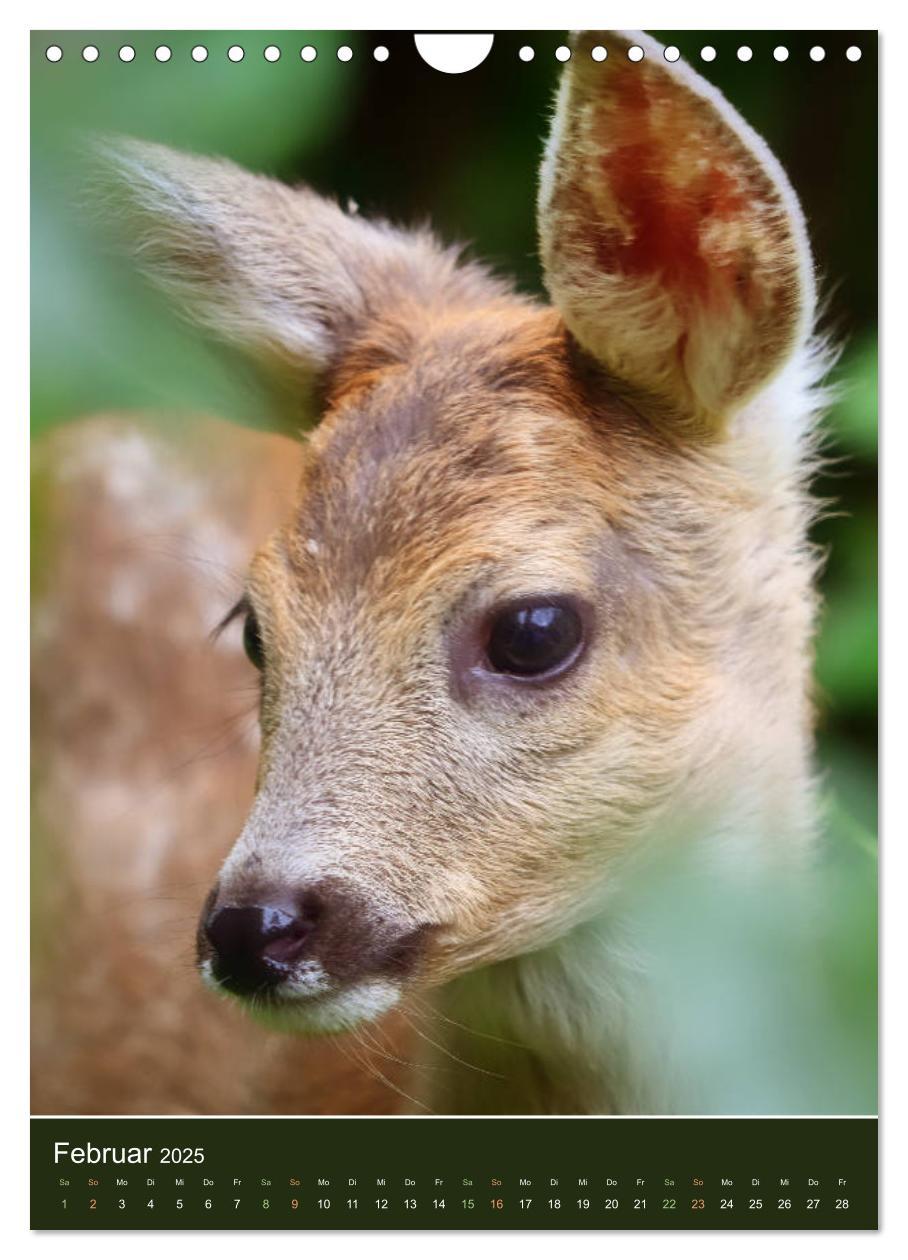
[431, 1013]
[370, 1044]
[377, 1075]
[444, 1049]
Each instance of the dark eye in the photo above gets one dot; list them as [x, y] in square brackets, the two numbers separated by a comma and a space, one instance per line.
[252, 640]
[535, 637]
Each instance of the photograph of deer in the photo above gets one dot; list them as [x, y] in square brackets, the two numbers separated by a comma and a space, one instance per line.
[531, 606]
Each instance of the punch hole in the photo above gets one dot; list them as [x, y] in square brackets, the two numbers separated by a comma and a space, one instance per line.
[380, 53]
[345, 53]
[562, 53]
[817, 53]
[126, 53]
[780, 53]
[707, 53]
[272, 53]
[599, 53]
[199, 53]
[162, 53]
[526, 53]
[672, 53]
[453, 54]
[635, 53]
[54, 53]
[90, 53]
[745, 53]
[308, 53]
[853, 53]
[236, 52]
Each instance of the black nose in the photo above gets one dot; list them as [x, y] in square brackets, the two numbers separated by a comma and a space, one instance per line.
[255, 947]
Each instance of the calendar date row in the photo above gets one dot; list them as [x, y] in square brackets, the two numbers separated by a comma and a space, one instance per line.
[292, 1204]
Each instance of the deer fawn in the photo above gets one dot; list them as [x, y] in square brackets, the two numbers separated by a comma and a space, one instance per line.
[541, 602]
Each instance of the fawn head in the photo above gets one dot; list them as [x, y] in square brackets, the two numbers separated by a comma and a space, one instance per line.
[537, 582]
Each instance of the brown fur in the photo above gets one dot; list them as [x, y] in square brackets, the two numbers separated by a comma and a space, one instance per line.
[641, 447]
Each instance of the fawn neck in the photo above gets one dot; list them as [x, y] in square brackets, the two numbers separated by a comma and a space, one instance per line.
[575, 1028]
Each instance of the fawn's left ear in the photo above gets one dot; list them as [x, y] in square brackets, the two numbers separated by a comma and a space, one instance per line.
[672, 241]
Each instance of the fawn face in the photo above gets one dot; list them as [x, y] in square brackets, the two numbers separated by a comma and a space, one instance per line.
[504, 629]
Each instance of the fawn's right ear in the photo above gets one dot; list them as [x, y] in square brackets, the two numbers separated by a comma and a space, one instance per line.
[280, 272]
[671, 239]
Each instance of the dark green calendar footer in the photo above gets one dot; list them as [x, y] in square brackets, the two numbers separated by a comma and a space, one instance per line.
[427, 1173]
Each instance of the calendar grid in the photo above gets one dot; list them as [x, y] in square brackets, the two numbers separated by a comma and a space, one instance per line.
[447, 1173]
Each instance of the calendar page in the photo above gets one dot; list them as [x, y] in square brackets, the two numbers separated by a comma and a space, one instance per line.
[454, 630]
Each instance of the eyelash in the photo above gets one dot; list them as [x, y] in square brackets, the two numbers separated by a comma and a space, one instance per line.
[241, 608]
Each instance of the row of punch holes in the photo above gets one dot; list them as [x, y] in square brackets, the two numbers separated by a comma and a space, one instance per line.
[236, 52]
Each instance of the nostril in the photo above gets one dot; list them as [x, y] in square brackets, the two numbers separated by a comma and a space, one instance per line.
[254, 946]
[276, 922]
[285, 941]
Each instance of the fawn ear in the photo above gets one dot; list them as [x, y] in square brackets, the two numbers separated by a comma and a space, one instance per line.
[281, 272]
[671, 239]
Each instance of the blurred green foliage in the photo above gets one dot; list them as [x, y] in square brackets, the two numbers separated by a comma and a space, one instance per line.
[410, 144]
[767, 983]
